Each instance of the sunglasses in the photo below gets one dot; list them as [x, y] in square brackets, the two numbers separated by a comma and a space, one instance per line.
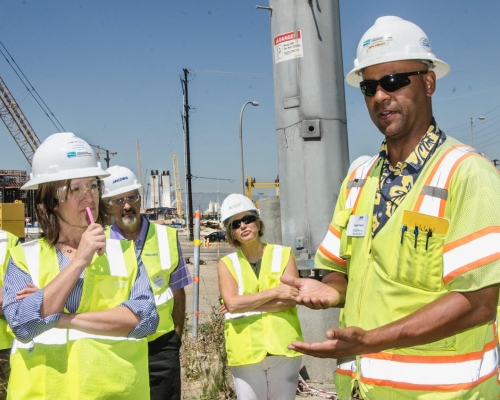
[122, 200]
[390, 83]
[247, 219]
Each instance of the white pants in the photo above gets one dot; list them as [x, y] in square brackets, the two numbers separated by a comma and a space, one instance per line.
[274, 378]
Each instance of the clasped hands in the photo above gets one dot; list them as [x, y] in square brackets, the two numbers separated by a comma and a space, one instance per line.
[341, 342]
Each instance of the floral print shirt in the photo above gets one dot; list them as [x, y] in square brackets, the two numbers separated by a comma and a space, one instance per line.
[396, 182]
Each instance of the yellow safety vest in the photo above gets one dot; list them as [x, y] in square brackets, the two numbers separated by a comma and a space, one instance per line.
[7, 241]
[397, 272]
[71, 364]
[160, 256]
[251, 336]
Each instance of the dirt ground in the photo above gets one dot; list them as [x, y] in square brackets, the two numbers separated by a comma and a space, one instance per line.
[209, 296]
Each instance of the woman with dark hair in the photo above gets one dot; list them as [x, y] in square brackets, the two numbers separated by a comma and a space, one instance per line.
[260, 315]
[81, 335]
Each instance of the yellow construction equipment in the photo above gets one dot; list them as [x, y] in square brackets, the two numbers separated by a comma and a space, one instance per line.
[252, 183]
[12, 218]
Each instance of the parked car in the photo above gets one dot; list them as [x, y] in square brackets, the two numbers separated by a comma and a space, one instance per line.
[218, 236]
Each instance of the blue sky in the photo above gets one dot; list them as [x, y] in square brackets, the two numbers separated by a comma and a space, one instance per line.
[109, 71]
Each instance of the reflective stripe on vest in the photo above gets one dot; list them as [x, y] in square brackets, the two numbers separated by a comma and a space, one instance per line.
[330, 246]
[357, 181]
[470, 252]
[7, 241]
[160, 257]
[3, 245]
[432, 199]
[347, 367]
[466, 253]
[116, 260]
[443, 373]
[32, 255]
[114, 253]
[164, 249]
[162, 298]
[63, 336]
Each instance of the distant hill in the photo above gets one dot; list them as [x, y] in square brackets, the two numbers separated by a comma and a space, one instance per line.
[201, 201]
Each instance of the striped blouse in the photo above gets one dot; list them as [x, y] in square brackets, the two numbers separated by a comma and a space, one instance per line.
[25, 319]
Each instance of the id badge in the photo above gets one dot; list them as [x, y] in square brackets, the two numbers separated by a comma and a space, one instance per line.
[357, 225]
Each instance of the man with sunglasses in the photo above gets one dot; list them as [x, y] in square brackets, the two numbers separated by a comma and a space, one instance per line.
[413, 245]
[160, 251]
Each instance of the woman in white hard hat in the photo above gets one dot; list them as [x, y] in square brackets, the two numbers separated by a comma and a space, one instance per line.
[260, 315]
[80, 335]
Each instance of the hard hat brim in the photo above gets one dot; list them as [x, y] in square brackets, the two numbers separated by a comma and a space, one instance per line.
[64, 175]
[353, 78]
[122, 190]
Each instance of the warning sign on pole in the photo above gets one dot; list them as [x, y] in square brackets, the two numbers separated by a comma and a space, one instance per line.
[288, 46]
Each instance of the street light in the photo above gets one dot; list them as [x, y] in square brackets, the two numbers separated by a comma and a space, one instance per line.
[471, 122]
[253, 103]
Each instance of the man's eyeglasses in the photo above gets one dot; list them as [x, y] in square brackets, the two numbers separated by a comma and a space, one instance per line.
[390, 83]
[247, 219]
[75, 193]
[122, 200]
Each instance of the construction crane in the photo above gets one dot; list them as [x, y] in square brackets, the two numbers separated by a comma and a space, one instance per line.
[139, 170]
[17, 124]
[177, 187]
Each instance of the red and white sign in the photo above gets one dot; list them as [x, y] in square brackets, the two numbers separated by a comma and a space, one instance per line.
[27, 219]
[288, 46]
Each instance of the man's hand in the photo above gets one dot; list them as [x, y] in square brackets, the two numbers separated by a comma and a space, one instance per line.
[312, 293]
[341, 343]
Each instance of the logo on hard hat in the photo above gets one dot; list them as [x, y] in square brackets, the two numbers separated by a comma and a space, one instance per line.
[124, 178]
[72, 154]
[235, 205]
[424, 42]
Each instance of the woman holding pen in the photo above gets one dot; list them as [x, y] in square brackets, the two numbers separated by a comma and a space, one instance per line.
[81, 335]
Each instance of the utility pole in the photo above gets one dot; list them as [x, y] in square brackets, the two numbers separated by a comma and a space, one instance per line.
[107, 152]
[188, 151]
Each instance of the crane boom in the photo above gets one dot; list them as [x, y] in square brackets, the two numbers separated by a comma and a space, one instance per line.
[17, 124]
[139, 170]
[177, 186]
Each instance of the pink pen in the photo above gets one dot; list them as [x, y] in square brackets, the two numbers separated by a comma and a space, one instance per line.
[89, 213]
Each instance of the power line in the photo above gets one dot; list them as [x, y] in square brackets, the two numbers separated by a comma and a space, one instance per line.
[233, 73]
[60, 127]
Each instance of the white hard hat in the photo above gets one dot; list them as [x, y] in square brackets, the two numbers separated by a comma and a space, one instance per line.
[121, 180]
[63, 156]
[235, 204]
[358, 162]
[393, 39]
